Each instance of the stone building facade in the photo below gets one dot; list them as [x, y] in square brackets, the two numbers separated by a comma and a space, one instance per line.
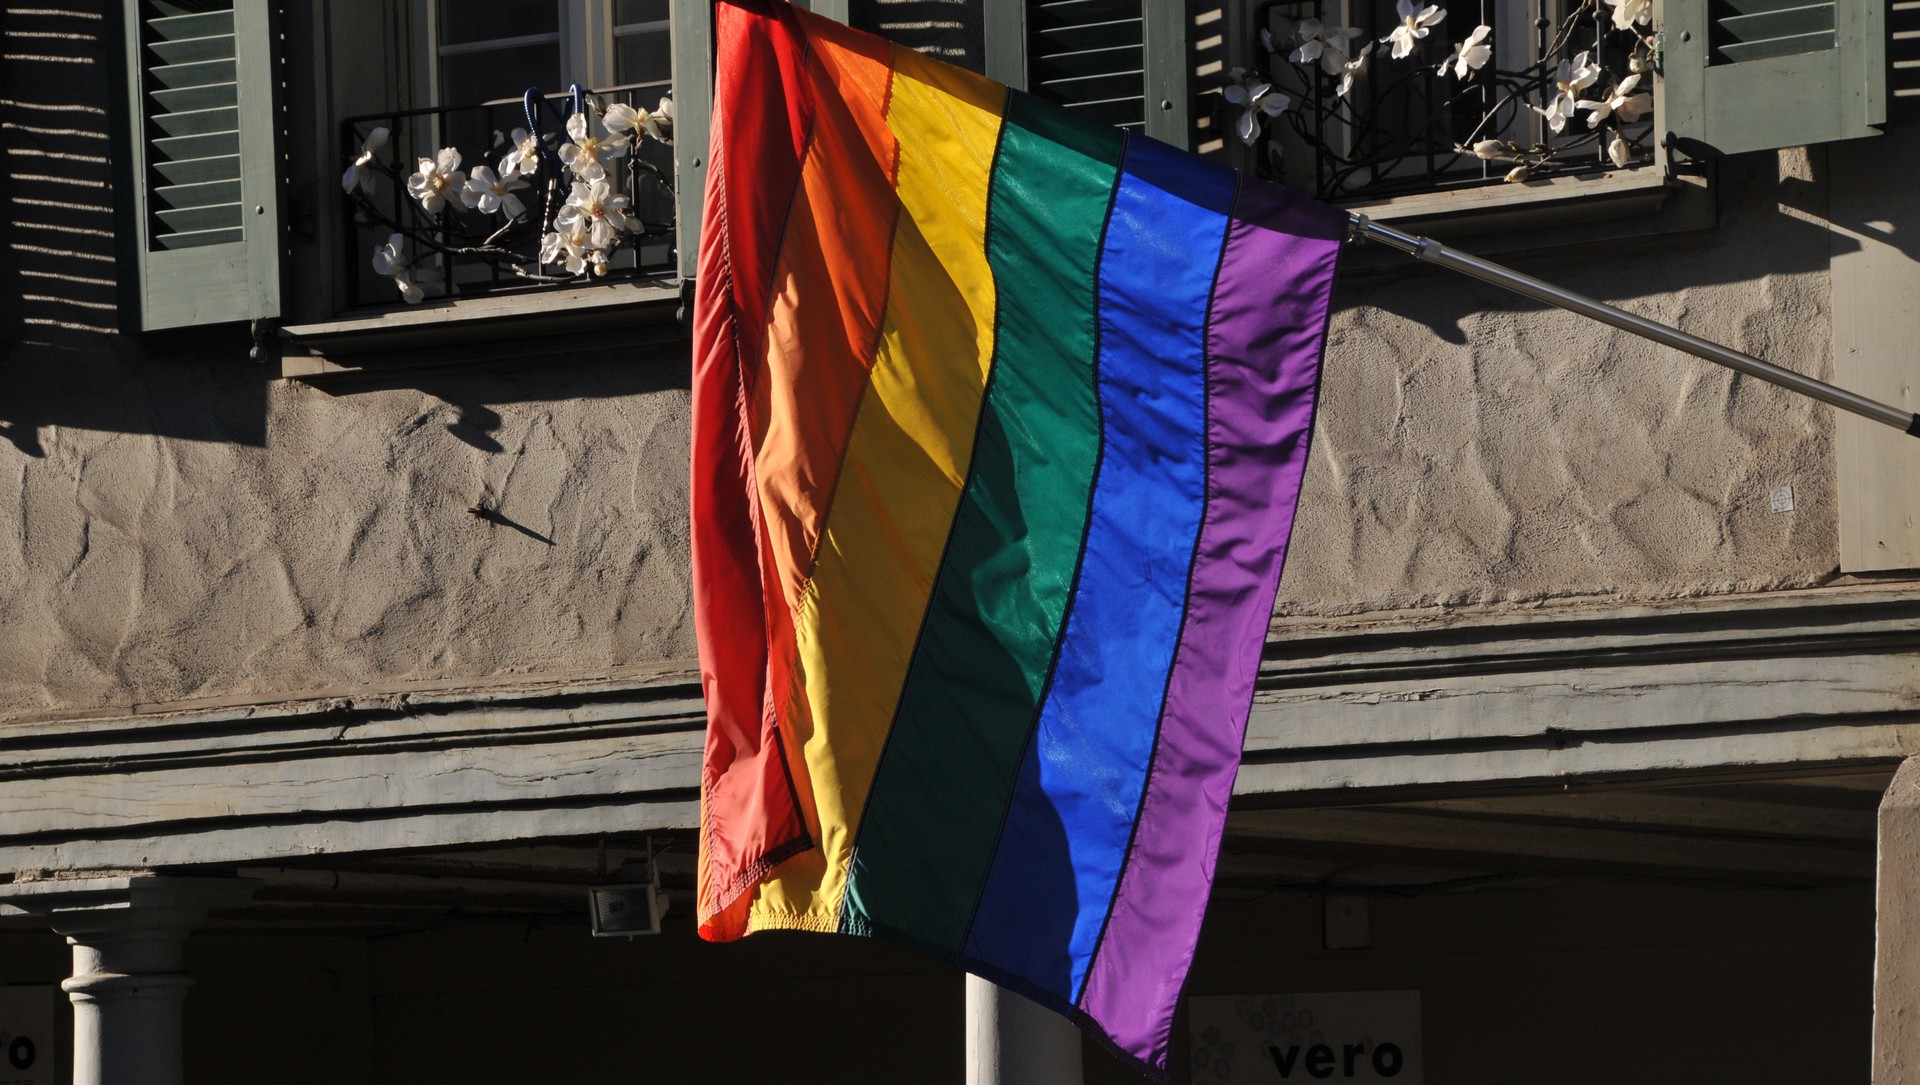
[342, 651]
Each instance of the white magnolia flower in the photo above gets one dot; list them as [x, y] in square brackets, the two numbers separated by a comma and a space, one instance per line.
[640, 123]
[1489, 149]
[1628, 12]
[1351, 70]
[659, 125]
[568, 244]
[1573, 77]
[588, 155]
[1415, 23]
[1628, 106]
[438, 180]
[1471, 55]
[1309, 35]
[360, 174]
[1321, 43]
[1517, 173]
[1255, 99]
[524, 159]
[595, 204]
[1619, 151]
[621, 117]
[490, 193]
[391, 260]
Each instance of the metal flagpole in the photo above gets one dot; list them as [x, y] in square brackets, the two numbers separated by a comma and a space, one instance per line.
[1361, 228]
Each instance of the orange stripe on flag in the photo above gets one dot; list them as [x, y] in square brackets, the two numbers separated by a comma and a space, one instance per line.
[844, 213]
[900, 477]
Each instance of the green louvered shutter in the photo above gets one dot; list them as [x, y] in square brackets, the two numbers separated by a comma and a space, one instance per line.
[1751, 75]
[205, 162]
[1123, 62]
[692, 105]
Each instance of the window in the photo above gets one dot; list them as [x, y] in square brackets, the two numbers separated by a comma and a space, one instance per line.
[486, 49]
[642, 43]
[1557, 88]
[483, 49]
[1404, 128]
[1369, 119]
[245, 115]
[498, 210]
[225, 190]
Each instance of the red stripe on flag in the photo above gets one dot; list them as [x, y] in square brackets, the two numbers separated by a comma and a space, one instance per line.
[750, 816]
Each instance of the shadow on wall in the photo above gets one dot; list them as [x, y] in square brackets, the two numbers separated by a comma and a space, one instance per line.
[1895, 226]
[1771, 223]
[474, 388]
[62, 360]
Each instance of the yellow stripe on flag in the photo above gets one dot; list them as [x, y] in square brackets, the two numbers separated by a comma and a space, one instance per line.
[905, 467]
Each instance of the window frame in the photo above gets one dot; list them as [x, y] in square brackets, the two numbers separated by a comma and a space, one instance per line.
[373, 58]
[337, 60]
[1672, 193]
[586, 34]
[1604, 191]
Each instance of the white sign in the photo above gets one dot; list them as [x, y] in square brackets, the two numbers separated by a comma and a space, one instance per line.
[1343, 1036]
[33, 1030]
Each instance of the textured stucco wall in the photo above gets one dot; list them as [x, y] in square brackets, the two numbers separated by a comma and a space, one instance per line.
[219, 535]
[174, 526]
[1475, 447]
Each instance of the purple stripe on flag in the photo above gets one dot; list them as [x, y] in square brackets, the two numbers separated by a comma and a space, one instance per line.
[1264, 341]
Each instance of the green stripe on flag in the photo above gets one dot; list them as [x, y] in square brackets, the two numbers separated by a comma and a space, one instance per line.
[974, 686]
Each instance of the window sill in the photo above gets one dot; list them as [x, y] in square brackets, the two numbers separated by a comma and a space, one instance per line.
[1563, 211]
[484, 329]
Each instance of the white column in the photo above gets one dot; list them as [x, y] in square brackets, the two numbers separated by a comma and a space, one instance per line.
[129, 989]
[129, 981]
[1896, 933]
[1012, 1041]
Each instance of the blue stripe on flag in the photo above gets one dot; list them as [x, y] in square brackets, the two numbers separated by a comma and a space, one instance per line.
[1080, 783]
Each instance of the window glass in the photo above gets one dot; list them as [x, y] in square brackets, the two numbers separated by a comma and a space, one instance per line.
[642, 42]
[639, 11]
[497, 48]
[464, 21]
[471, 78]
[642, 58]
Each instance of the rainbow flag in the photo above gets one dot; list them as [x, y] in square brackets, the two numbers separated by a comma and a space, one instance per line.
[1000, 417]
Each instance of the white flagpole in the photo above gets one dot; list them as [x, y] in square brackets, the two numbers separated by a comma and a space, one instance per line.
[1361, 228]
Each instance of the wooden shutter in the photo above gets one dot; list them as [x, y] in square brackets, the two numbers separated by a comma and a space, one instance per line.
[1123, 62]
[205, 160]
[1750, 75]
[692, 106]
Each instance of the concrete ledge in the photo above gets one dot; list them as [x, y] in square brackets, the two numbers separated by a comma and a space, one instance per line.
[1362, 712]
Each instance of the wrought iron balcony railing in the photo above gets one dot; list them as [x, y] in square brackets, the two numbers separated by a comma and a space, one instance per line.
[1360, 124]
[509, 195]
